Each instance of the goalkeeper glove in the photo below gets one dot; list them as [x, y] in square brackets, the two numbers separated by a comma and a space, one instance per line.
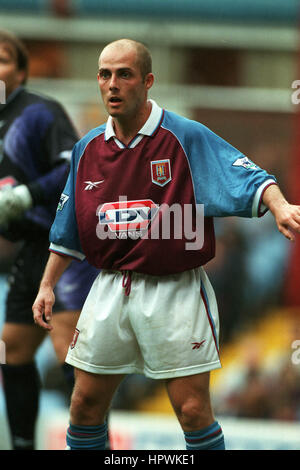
[14, 201]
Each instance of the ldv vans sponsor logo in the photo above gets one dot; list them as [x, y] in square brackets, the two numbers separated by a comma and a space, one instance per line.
[135, 219]
[128, 215]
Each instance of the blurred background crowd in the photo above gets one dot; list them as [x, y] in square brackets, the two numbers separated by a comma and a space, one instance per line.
[229, 64]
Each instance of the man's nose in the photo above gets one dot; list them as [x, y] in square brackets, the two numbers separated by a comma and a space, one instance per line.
[113, 84]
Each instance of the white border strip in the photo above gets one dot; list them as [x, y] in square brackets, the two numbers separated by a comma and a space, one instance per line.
[257, 204]
[66, 251]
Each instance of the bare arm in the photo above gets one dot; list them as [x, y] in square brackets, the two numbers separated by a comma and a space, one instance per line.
[42, 307]
[287, 216]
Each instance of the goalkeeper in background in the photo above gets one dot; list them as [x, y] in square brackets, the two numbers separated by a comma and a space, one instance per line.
[36, 139]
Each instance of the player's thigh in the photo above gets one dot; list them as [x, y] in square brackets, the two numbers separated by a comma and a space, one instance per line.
[92, 396]
[64, 324]
[70, 294]
[190, 398]
[179, 388]
[20, 334]
[21, 342]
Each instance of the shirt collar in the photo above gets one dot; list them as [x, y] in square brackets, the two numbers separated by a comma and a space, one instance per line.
[148, 128]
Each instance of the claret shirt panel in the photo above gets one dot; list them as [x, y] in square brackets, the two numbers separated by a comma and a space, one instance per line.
[127, 173]
[128, 207]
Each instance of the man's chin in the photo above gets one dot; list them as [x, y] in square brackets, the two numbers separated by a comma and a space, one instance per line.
[114, 109]
[114, 112]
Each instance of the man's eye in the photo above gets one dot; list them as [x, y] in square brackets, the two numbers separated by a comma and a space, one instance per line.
[125, 74]
[104, 75]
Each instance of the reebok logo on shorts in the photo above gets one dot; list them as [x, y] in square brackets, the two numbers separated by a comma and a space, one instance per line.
[197, 345]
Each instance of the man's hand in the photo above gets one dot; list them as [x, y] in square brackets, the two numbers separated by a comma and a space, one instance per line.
[14, 202]
[287, 216]
[288, 220]
[42, 307]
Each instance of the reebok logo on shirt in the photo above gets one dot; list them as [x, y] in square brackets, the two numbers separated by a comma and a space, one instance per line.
[91, 185]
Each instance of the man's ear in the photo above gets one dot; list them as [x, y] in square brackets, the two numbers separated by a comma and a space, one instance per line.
[149, 80]
[21, 77]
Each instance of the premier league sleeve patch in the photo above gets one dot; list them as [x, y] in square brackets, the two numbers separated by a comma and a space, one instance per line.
[161, 172]
[62, 201]
[246, 163]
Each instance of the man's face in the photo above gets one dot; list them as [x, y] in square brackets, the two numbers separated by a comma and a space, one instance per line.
[123, 89]
[9, 73]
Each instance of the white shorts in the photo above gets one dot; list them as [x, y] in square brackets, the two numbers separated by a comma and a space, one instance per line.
[166, 327]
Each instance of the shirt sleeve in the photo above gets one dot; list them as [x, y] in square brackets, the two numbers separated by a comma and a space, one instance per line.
[64, 238]
[57, 144]
[61, 136]
[227, 182]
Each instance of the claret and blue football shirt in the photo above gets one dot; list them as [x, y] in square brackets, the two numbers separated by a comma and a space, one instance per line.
[115, 208]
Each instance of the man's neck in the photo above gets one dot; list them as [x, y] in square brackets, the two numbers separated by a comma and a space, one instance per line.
[127, 129]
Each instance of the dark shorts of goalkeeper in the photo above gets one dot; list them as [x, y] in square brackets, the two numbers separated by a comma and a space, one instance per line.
[25, 277]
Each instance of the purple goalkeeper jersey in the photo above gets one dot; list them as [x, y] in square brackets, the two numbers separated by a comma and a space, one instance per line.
[36, 141]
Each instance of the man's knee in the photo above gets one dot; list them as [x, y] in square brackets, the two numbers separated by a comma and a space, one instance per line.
[193, 412]
[91, 397]
[21, 342]
[85, 406]
[190, 397]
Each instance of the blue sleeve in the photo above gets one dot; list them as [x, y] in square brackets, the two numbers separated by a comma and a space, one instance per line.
[39, 143]
[64, 238]
[225, 181]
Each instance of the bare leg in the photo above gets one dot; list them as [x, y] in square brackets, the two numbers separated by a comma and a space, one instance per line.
[92, 397]
[21, 342]
[64, 324]
[190, 399]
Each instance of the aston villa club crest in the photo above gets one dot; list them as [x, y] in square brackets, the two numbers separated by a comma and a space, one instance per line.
[161, 172]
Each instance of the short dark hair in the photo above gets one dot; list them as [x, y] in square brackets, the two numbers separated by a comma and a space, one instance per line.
[20, 50]
[144, 58]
